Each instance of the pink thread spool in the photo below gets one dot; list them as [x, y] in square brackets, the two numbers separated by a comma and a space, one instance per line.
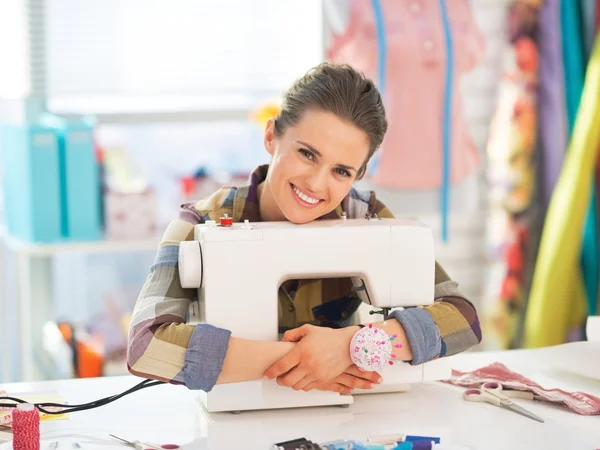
[26, 427]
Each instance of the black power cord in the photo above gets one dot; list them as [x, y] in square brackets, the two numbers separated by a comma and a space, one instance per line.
[66, 409]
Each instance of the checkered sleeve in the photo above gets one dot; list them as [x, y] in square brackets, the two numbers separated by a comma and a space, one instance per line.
[161, 345]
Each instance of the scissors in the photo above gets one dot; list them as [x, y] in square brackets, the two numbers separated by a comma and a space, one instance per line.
[492, 392]
[139, 445]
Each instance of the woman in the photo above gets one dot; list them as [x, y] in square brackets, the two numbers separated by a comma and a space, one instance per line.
[331, 122]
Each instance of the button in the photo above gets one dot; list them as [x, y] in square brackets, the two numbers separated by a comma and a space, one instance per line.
[415, 7]
[427, 45]
[291, 308]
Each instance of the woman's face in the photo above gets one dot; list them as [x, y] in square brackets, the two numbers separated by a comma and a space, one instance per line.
[314, 164]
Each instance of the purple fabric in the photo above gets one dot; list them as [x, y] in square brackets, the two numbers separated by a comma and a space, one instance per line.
[553, 132]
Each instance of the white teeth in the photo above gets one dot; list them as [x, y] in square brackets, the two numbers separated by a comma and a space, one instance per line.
[305, 197]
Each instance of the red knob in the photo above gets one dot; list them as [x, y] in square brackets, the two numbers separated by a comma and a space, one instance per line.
[226, 221]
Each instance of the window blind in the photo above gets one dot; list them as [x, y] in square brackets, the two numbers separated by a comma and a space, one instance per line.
[178, 54]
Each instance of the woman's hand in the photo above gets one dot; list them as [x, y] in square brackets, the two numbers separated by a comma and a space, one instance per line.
[320, 360]
[352, 378]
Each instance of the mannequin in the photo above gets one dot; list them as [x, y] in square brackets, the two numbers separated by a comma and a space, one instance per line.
[411, 155]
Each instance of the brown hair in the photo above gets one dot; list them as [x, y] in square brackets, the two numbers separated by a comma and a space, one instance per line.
[341, 90]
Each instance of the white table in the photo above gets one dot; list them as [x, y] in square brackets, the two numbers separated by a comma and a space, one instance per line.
[170, 414]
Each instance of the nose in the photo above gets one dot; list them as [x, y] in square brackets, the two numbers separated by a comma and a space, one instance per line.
[316, 181]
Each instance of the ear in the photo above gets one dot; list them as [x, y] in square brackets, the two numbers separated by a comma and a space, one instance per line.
[269, 138]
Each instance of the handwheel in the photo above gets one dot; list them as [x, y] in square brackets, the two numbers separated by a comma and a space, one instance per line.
[190, 264]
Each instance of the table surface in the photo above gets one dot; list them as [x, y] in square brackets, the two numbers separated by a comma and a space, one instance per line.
[171, 414]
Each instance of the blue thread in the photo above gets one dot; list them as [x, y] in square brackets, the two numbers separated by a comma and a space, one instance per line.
[446, 118]
[381, 65]
[410, 438]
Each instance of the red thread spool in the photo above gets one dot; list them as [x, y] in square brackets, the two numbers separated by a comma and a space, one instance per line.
[226, 221]
[26, 427]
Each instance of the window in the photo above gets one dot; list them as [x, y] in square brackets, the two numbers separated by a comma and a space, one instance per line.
[173, 81]
[13, 55]
[152, 55]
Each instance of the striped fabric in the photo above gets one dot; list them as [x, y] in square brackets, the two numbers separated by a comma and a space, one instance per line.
[163, 347]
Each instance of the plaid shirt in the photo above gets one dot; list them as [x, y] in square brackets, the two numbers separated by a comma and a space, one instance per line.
[163, 346]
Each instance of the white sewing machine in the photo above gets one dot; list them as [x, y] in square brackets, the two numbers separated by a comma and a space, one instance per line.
[393, 257]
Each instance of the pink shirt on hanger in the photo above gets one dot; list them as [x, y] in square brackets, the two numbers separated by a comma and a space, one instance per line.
[411, 154]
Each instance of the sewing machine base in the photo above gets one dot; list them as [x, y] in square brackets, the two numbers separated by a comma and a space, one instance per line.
[281, 400]
[267, 394]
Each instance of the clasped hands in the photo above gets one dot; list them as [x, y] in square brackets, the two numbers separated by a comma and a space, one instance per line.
[321, 360]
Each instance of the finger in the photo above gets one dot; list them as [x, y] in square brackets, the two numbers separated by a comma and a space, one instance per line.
[334, 387]
[296, 334]
[310, 386]
[292, 335]
[300, 385]
[353, 382]
[373, 377]
[284, 365]
[292, 378]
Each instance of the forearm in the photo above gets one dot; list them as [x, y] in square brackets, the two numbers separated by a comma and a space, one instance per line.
[448, 326]
[393, 327]
[247, 360]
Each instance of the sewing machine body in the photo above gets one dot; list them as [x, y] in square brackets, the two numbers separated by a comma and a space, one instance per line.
[239, 292]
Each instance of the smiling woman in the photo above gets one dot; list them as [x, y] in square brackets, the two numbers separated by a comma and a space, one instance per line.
[331, 122]
[304, 183]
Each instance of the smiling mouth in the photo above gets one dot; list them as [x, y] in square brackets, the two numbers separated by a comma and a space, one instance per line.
[304, 199]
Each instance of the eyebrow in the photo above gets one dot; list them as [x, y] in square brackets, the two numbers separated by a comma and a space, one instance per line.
[316, 152]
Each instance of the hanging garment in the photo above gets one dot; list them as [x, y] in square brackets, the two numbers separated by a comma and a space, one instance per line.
[573, 55]
[557, 297]
[590, 264]
[588, 22]
[553, 132]
[411, 155]
[511, 154]
[597, 309]
[573, 38]
[597, 30]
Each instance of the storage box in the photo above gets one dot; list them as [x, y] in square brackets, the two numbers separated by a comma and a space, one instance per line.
[30, 160]
[81, 196]
[130, 215]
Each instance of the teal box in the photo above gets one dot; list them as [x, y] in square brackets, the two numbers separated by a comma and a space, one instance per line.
[31, 182]
[81, 197]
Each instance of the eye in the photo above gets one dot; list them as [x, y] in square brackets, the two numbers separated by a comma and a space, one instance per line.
[307, 154]
[343, 172]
